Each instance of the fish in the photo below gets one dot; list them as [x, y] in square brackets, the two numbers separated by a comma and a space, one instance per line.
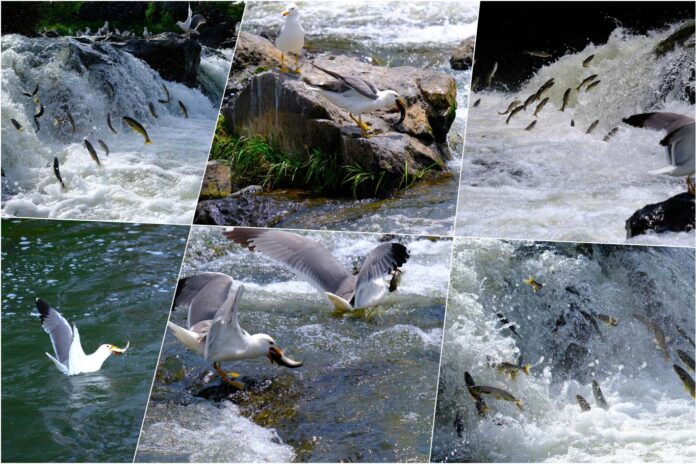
[38, 126]
[39, 111]
[598, 395]
[459, 424]
[166, 92]
[529, 100]
[686, 336]
[531, 125]
[496, 393]
[510, 107]
[686, 379]
[71, 121]
[395, 280]
[183, 109]
[503, 320]
[572, 123]
[608, 320]
[137, 127]
[32, 93]
[111, 88]
[153, 112]
[544, 87]
[477, 103]
[587, 80]
[537, 53]
[108, 122]
[584, 405]
[56, 171]
[481, 406]
[514, 112]
[686, 359]
[566, 98]
[592, 127]
[535, 285]
[610, 134]
[92, 152]
[489, 78]
[540, 106]
[592, 86]
[104, 146]
[586, 61]
[660, 339]
[512, 369]
[16, 125]
[593, 322]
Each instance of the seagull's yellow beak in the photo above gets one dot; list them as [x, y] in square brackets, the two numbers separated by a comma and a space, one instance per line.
[119, 351]
[276, 355]
[286, 12]
[401, 104]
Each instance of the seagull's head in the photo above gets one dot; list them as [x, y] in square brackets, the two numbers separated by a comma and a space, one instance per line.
[392, 98]
[291, 11]
[180, 24]
[270, 349]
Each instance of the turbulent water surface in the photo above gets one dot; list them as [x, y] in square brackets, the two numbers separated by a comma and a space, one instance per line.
[158, 182]
[557, 182]
[419, 34]
[650, 415]
[366, 390]
[115, 282]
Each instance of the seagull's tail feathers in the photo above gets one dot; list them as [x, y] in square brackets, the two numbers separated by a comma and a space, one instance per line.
[61, 367]
[666, 170]
[188, 338]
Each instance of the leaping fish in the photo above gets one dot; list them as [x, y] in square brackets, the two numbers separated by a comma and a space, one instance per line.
[183, 109]
[536, 286]
[32, 93]
[92, 152]
[538, 53]
[598, 395]
[686, 379]
[496, 393]
[39, 111]
[395, 280]
[531, 125]
[544, 87]
[166, 92]
[514, 112]
[610, 134]
[481, 407]
[16, 125]
[586, 61]
[137, 127]
[582, 402]
[477, 103]
[56, 171]
[686, 336]
[686, 359]
[587, 80]
[108, 122]
[510, 107]
[566, 98]
[592, 127]
[489, 78]
[104, 146]
[540, 106]
[592, 86]
[153, 112]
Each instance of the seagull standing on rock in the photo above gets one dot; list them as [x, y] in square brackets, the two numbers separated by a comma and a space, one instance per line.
[192, 23]
[291, 37]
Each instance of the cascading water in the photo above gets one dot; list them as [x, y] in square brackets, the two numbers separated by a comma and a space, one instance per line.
[157, 182]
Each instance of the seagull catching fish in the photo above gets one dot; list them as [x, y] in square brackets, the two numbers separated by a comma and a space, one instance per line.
[192, 23]
[358, 96]
[314, 263]
[70, 358]
[291, 37]
[213, 330]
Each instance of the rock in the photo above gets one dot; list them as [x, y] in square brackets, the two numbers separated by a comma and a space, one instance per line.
[463, 56]
[216, 182]
[246, 210]
[173, 56]
[283, 108]
[673, 215]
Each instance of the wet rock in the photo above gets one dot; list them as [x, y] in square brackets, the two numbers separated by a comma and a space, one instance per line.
[463, 56]
[673, 215]
[216, 182]
[245, 210]
[171, 370]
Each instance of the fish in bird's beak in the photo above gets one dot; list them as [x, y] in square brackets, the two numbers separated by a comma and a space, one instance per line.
[285, 13]
[276, 355]
[401, 104]
[119, 351]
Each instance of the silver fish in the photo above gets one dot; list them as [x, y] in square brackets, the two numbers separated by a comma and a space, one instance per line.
[477, 103]
[34, 92]
[183, 109]
[92, 151]
[16, 125]
[540, 106]
[566, 98]
[104, 146]
[586, 61]
[489, 78]
[592, 86]
[108, 122]
[510, 107]
[531, 125]
[538, 53]
[592, 127]
[514, 112]
[582, 402]
[598, 395]
[587, 80]
[610, 134]
[56, 171]
[166, 92]
[686, 359]
[152, 110]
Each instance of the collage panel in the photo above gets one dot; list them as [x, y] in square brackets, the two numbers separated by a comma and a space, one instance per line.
[109, 108]
[363, 131]
[361, 313]
[84, 309]
[581, 130]
[567, 352]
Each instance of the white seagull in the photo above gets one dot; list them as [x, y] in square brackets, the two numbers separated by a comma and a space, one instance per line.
[314, 263]
[679, 142]
[192, 22]
[213, 330]
[359, 96]
[291, 37]
[69, 358]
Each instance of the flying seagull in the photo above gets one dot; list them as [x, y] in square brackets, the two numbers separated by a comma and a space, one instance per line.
[192, 22]
[358, 96]
[314, 263]
[69, 358]
[679, 142]
[213, 330]
[291, 37]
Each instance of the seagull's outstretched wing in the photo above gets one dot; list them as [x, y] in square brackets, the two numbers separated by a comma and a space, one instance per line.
[190, 13]
[225, 327]
[381, 261]
[196, 21]
[360, 85]
[203, 294]
[680, 133]
[57, 328]
[303, 256]
[659, 121]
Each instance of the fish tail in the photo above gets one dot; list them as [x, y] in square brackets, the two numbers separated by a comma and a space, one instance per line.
[527, 368]
[518, 403]
[148, 141]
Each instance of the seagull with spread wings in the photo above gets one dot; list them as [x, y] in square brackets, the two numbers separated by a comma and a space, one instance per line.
[192, 23]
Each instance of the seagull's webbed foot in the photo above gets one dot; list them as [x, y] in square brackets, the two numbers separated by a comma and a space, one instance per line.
[226, 377]
[690, 186]
[364, 128]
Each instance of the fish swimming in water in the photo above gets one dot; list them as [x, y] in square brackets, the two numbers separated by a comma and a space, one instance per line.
[686, 379]
[104, 146]
[475, 83]
[477, 103]
[512, 369]
[531, 125]
[610, 134]
[514, 112]
[592, 86]
[540, 106]
[153, 112]
[166, 92]
[183, 109]
[56, 171]
[660, 339]
[598, 395]
[537, 53]
[503, 320]
[137, 127]
[481, 406]
[586, 61]
[608, 320]
[496, 393]
[592, 127]
[68, 117]
[39, 111]
[535, 285]
[528, 101]
[489, 78]
[108, 122]
[544, 87]
[395, 280]
[32, 93]
[566, 98]
[686, 336]
[16, 125]
[510, 107]
[686, 359]
[584, 405]
[92, 152]
[587, 80]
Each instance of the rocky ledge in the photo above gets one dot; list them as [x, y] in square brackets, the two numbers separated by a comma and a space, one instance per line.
[673, 215]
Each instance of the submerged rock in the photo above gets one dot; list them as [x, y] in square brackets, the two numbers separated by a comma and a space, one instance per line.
[463, 56]
[673, 215]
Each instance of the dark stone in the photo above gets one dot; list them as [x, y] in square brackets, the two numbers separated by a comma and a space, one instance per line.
[673, 215]
[245, 210]
[463, 56]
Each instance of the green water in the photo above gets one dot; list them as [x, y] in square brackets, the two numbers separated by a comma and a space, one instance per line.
[116, 283]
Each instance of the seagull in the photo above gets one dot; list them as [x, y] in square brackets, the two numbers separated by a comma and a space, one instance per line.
[69, 358]
[314, 263]
[358, 96]
[192, 22]
[291, 37]
[679, 142]
[213, 329]
[104, 29]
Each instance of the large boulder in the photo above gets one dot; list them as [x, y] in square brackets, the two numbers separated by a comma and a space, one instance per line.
[216, 181]
[245, 210]
[283, 108]
[673, 215]
[463, 56]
